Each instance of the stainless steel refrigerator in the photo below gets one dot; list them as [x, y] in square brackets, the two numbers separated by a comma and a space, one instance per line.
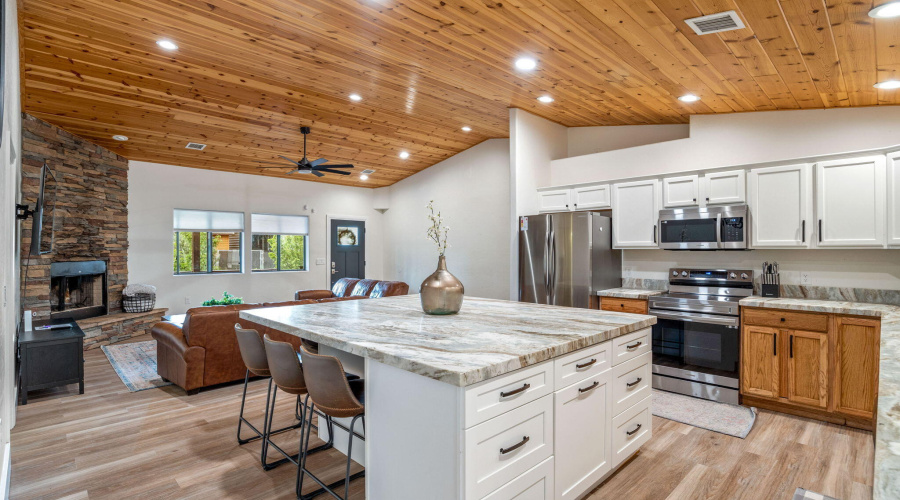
[566, 258]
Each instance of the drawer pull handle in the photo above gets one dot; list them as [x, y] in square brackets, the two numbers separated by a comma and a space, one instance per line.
[515, 391]
[782, 320]
[634, 346]
[631, 433]
[636, 382]
[525, 439]
[590, 387]
[585, 365]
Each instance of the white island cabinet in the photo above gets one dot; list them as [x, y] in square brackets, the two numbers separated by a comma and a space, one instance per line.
[503, 400]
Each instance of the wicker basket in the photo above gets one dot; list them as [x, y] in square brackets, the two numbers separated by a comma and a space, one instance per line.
[139, 302]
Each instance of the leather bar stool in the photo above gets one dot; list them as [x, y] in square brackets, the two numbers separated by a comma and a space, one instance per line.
[254, 356]
[336, 397]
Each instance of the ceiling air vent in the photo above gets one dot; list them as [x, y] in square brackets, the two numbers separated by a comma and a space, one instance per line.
[714, 23]
[195, 146]
[367, 171]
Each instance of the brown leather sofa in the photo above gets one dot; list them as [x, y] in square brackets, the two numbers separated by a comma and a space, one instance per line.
[352, 289]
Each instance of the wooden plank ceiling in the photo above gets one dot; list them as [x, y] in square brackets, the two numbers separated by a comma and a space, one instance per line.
[247, 75]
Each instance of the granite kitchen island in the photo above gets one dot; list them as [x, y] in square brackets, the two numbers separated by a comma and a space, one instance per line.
[500, 399]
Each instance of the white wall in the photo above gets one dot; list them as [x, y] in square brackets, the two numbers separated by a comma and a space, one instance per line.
[154, 190]
[738, 139]
[589, 140]
[471, 190]
[832, 268]
[534, 144]
[11, 164]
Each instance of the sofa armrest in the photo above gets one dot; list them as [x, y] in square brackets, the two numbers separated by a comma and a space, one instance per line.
[313, 294]
[176, 361]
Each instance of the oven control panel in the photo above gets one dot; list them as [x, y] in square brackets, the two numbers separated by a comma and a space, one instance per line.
[710, 276]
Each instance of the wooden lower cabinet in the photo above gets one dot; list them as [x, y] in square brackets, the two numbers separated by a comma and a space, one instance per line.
[831, 375]
[633, 306]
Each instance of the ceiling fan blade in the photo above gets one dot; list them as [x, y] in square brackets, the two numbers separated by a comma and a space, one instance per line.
[317, 173]
[341, 172]
[292, 161]
[317, 162]
[346, 165]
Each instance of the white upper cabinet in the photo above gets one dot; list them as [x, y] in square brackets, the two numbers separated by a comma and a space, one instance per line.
[850, 202]
[724, 188]
[893, 198]
[780, 200]
[681, 191]
[635, 214]
[556, 200]
[590, 197]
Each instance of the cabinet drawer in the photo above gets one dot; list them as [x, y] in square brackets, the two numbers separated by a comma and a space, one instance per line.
[512, 390]
[631, 382]
[536, 484]
[635, 306]
[631, 430]
[499, 450]
[630, 346]
[774, 318]
[582, 364]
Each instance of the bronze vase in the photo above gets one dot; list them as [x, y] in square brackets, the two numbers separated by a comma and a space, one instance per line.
[441, 293]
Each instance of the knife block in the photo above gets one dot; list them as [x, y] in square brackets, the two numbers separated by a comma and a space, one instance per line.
[770, 290]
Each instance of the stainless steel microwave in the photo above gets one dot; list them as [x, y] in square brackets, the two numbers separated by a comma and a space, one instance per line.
[708, 228]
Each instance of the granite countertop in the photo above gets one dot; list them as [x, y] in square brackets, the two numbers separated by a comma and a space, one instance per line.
[887, 430]
[629, 293]
[486, 339]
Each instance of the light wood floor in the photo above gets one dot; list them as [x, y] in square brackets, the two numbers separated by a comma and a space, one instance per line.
[162, 444]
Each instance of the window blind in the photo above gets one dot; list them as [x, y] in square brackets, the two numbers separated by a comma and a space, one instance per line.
[204, 220]
[279, 224]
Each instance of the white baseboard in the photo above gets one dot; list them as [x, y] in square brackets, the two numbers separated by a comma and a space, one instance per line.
[5, 472]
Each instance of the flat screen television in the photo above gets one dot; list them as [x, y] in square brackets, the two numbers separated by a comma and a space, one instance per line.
[44, 219]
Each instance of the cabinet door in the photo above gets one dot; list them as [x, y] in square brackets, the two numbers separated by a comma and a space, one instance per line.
[850, 202]
[856, 348]
[807, 368]
[635, 214]
[759, 362]
[721, 188]
[781, 206]
[681, 191]
[590, 197]
[582, 435]
[893, 198]
[556, 200]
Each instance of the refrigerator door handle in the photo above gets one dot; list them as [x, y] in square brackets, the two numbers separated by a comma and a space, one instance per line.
[552, 288]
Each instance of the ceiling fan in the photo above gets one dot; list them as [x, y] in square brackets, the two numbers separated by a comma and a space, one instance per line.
[315, 167]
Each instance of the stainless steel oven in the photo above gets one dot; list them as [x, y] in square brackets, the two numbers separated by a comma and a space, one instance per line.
[696, 338]
[707, 228]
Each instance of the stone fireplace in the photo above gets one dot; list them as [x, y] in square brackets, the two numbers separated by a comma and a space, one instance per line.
[78, 289]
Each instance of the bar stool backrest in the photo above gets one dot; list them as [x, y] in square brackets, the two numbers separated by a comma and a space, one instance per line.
[284, 365]
[328, 386]
[252, 351]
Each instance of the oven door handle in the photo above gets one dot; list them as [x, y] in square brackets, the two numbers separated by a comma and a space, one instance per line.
[697, 318]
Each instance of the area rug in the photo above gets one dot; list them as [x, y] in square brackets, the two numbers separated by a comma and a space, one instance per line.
[135, 363]
[804, 494]
[718, 417]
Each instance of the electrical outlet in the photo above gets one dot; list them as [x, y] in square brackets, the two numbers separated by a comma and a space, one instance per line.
[804, 277]
[187, 301]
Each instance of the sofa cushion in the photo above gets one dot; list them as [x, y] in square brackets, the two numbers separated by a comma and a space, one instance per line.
[341, 299]
[389, 289]
[344, 287]
[363, 288]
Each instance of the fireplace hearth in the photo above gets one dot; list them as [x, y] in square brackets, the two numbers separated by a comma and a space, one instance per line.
[78, 289]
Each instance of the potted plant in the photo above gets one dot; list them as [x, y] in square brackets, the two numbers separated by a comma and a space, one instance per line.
[226, 300]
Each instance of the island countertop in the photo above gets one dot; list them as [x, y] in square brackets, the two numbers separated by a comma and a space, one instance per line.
[487, 338]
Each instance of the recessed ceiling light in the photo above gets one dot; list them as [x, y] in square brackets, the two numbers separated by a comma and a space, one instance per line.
[404, 155]
[688, 98]
[363, 177]
[545, 99]
[120, 137]
[888, 85]
[355, 97]
[891, 9]
[526, 63]
[467, 129]
[167, 44]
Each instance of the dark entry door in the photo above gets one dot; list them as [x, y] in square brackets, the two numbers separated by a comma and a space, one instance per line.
[348, 249]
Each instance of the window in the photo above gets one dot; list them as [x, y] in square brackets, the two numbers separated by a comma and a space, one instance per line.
[278, 242]
[207, 242]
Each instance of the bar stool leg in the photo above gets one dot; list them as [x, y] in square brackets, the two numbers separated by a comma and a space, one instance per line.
[242, 420]
[349, 455]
